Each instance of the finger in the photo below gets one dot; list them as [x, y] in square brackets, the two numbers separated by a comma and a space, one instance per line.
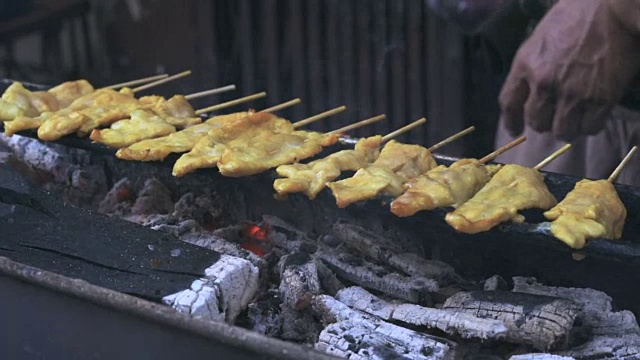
[540, 108]
[513, 96]
[567, 119]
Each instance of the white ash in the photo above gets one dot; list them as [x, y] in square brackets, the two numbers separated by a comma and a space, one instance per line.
[224, 246]
[356, 335]
[494, 283]
[540, 357]
[225, 291]
[299, 280]
[622, 347]
[453, 323]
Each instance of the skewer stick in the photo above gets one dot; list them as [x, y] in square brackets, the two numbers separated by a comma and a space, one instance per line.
[162, 81]
[282, 106]
[359, 124]
[137, 82]
[231, 103]
[210, 92]
[320, 116]
[552, 157]
[614, 175]
[502, 149]
[404, 129]
[452, 138]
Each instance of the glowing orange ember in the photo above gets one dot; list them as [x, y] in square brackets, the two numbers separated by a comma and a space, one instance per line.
[254, 239]
[256, 232]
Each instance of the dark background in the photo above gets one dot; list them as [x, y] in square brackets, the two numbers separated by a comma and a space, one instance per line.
[375, 56]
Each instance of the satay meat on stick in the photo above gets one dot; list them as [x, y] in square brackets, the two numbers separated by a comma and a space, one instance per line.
[511, 189]
[447, 186]
[592, 209]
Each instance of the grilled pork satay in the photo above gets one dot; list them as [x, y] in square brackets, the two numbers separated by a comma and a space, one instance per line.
[67, 92]
[141, 125]
[452, 186]
[249, 130]
[270, 150]
[181, 141]
[396, 164]
[443, 186]
[592, 209]
[175, 111]
[511, 189]
[311, 178]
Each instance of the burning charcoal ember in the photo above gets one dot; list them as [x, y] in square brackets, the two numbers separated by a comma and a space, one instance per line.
[355, 335]
[541, 321]
[596, 316]
[299, 326]
[299, 280]
[329, 281]
[227, 288]
[154, 198]
[451, 322]
[119, 199]
[389, 252]
[203, 207]
[216, 243]
[263, 315]
[370, 276]
[540, 357]
[623, 347]
[494, 283]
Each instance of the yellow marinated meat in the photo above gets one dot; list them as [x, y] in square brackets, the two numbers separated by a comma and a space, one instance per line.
[69, 91]
[22, 123]
[592, 209]
[208, 151]
[18, 101]
[312, 177]
[511, 189]
[443, 186]
[60, 123]
[176, 111]
[181, 141]
[396, 164]
[143, 124]
[243, 157]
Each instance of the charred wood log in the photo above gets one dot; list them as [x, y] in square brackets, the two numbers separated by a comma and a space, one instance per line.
[389, 252]
[541, 321]
[223, 246]
[540, 357]
[299, 280]
[596, 316]
[355, 335]
[451, 322]
[370, 276]
[227, 288]
[329, 281]
[625, 347]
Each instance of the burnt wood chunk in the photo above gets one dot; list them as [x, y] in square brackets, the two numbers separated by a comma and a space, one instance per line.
[451, 322]
[356, 335]
[329, 281]
[540, 357]
[371, 276]
[596, 316]
[299, 280]
[387, 251]
[104, 251]
[541, 321]
[625, 347]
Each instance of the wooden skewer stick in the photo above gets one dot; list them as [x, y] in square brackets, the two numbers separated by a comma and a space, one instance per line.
[231, 103]
[552, 157]
[358, 124]
[137, 82]
[162, 81]
[320, 116]
[404, 129]
[452, 138]
[614, 175]
[210, 92]
[502, 149]
[282, 106]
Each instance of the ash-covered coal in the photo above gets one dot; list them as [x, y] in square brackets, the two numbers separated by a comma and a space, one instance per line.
[348, 291]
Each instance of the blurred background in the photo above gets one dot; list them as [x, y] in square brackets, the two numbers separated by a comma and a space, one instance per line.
[374, 56]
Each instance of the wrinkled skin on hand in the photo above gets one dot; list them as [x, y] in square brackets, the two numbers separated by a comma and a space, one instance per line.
[574, 68]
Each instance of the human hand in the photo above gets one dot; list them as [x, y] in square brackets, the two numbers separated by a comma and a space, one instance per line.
[574, 68]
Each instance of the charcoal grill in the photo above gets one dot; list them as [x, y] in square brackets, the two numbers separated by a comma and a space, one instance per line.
[508, 250]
